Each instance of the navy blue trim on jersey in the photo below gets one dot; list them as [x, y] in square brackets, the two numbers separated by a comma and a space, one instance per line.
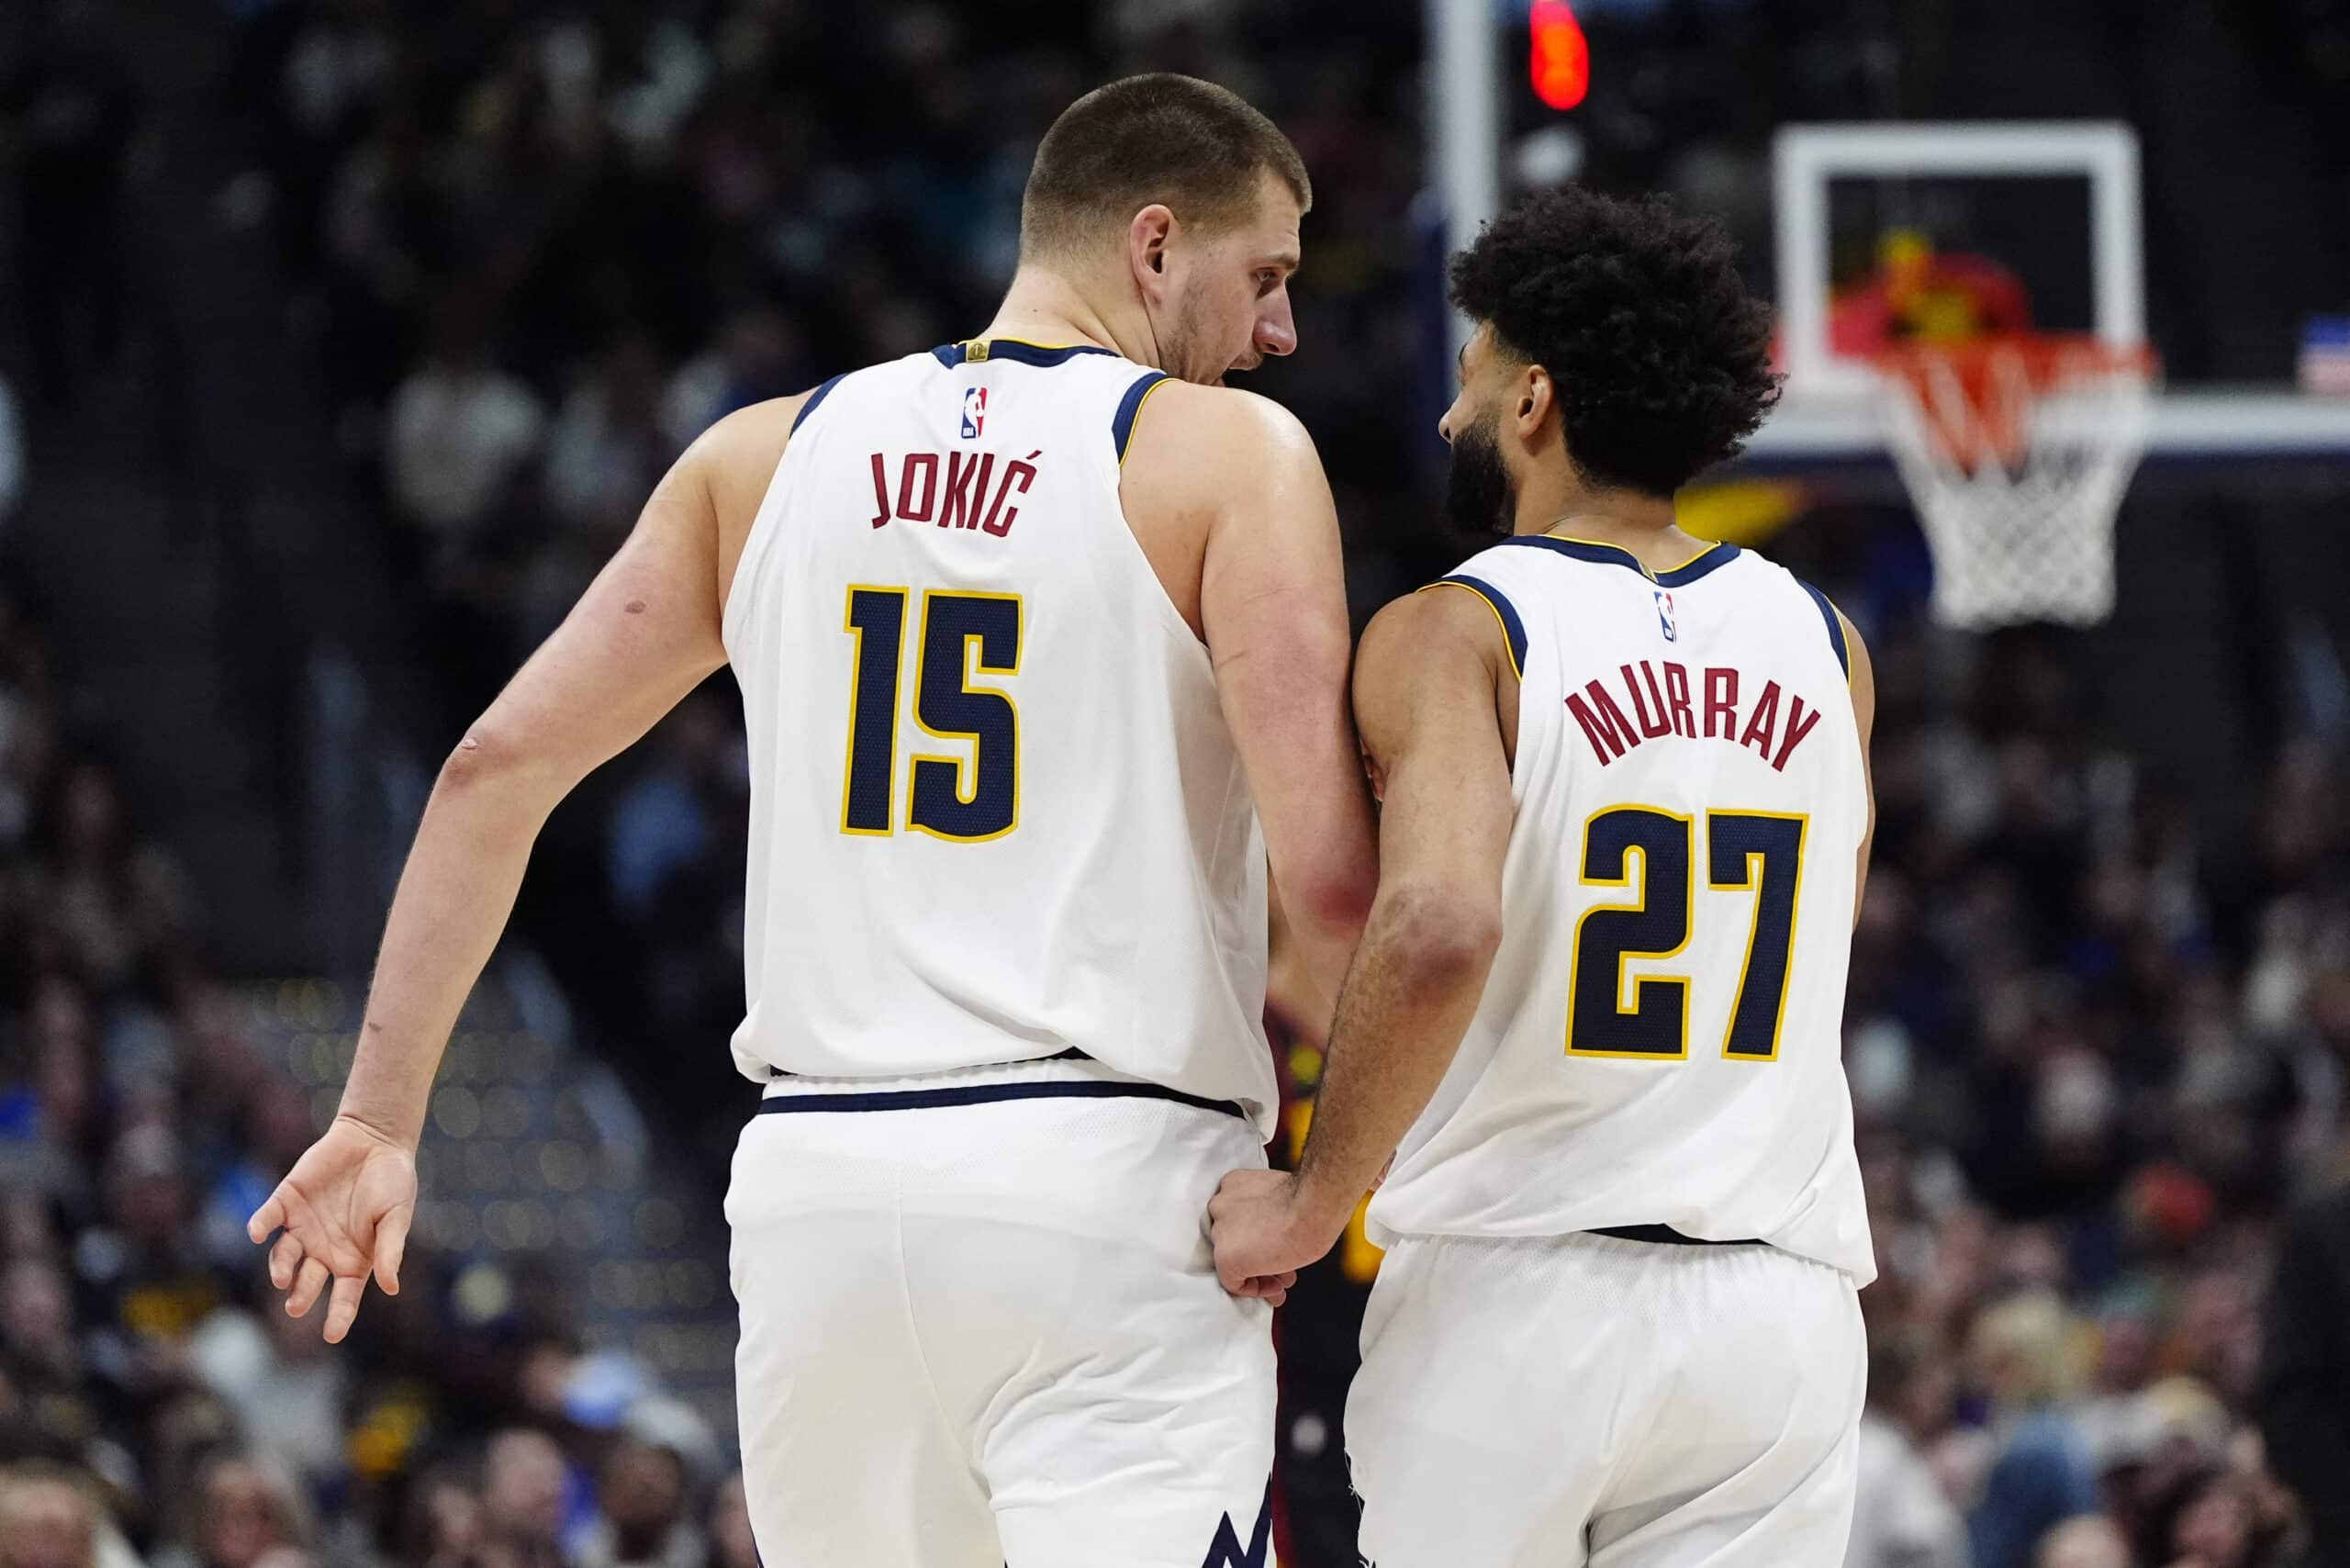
[815, 398]
[952, 354]
[1666, 1236]
[1513, 629]
[1835, 626]
[984, 1093]
[1689, 571]
[1122, 424]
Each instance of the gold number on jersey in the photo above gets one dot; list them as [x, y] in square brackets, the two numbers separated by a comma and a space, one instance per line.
[946, 796]
[1757, 851]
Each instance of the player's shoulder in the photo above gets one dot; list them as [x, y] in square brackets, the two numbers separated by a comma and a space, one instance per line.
[1220, 452]
[754, 434]
[1207, 425]
[734, 460]
[1429, 621]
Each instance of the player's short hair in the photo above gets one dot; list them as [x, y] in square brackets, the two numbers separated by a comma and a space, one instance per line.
[1194, 146]
[1661, 358]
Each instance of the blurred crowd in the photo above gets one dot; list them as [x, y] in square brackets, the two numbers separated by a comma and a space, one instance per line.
[2095, 1056]
[156, 1404]
[544, 246]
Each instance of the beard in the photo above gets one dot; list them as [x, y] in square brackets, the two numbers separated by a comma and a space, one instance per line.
[1187, 337]
[1180, 336]
[1480, 500]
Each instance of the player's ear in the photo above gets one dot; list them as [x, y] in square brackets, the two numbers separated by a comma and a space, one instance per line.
[1147, 235]
[1535, 395]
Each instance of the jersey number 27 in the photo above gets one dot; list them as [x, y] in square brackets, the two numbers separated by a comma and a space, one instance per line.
[946, 797]
[1746, 851]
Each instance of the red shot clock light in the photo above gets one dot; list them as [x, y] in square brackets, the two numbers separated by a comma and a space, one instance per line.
[1560, 58]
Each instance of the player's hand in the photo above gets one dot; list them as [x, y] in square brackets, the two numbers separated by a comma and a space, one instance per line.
[344, 1208]
[1264, 1234]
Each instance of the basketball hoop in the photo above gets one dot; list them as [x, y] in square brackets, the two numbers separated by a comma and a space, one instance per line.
[2015, 450]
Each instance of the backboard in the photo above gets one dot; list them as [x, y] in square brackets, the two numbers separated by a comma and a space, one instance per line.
[1832, 410]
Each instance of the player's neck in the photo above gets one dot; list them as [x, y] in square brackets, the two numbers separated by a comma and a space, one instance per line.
[1643, 525]
[1045, 307]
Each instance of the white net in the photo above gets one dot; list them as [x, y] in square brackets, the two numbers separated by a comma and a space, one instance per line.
[2017, 457]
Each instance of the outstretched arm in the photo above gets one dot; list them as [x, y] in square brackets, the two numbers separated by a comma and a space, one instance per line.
[645, 634]
[1425, 680]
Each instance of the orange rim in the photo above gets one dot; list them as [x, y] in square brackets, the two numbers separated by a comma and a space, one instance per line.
[1977, 393]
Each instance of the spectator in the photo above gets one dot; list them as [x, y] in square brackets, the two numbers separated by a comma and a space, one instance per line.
[2086, 1541]
[2305, 1369]
[46, 1520]
[141, 1274]
[284, 1383]
[607, 452]
[248, 1515]
[1902, 1518]
[461, 429]
[608, 449]
[731, 1545]
[116, 901]
[2215, 1523]
[522, 1498]
[440, 1523]
[643, 1494]
[464, 437]
[2040, 1475]
[64, 1401]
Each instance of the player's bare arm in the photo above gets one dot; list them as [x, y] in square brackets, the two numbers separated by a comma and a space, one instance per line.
[645, 634]
[1273, 610]
[1864, 715]
[1425, 688]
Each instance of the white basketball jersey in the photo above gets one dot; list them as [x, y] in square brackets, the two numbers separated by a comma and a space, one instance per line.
[996, 814]
[1660, 1041]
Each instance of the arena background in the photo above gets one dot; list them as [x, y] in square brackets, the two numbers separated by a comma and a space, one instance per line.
[340, 341]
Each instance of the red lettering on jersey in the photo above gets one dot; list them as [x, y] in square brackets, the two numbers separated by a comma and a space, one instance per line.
[926, 465]
[1651, 727]
[1799, 725]
[1018, 475]
[881, 492]
[1603, 725]
[1721, 696]
[1676, 691]
[1766, 722]
[964, 474]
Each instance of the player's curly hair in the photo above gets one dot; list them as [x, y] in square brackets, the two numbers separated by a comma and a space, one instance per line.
[1659, 357]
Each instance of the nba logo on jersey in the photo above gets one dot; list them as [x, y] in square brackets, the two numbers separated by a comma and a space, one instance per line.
[975, 411]
[1664, 615]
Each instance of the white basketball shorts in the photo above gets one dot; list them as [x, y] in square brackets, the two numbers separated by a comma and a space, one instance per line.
[983, 1328]
[1552, 1402]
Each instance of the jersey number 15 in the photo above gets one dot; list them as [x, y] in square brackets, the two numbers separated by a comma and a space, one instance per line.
[1757, 851]
[946, 797]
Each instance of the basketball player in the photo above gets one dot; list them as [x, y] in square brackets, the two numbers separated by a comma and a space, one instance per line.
[1032, 630]
[1627, 814]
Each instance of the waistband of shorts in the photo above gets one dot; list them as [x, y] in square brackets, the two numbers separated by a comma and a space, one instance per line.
[1069, 1075]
